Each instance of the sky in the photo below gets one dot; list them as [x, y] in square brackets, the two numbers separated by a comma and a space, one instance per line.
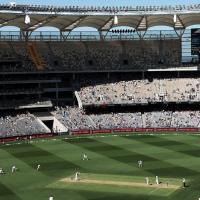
[104, 2]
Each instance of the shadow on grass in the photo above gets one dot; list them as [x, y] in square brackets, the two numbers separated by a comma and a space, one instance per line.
[7, 194]
[128, 157]
[90, 195]
[51, 165]
[176, 146]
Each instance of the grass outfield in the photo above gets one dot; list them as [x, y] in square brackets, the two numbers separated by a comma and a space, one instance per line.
[171, 157]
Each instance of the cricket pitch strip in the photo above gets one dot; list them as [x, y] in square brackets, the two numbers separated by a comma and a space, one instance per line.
[119, 183]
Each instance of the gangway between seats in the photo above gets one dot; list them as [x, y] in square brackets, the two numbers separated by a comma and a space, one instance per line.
[36, 58]
[80, 104]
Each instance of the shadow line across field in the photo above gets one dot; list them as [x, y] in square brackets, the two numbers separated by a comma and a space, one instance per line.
[7, 193]
[129, 157]
[52, 165]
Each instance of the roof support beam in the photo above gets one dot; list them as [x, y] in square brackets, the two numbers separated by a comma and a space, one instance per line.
[141, 34]
[179, 32]
[142, 25]
[103, 36]
[73, 25]
[26, 34]
[179, 23]
[64, 37]
[9, 20]
[40, 23]
[108, 25]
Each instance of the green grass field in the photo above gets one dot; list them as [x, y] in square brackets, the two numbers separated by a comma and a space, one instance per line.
[171, 157]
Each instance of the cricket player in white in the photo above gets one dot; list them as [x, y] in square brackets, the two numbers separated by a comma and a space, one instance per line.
[147, 180]
[157, 180]
[183, 180]
[76, 178]
[85, 157]
[140, 163]
[50, 198]
[14, 169]
[1, 171]
[38, 167]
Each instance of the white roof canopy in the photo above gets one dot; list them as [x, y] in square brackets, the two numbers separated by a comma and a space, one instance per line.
[68, 18]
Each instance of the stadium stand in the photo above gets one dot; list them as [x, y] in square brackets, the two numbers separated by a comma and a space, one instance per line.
[22, 124]
[97, 56]
[74, 118]
[158, 119]
[141, 91]
[154, 72]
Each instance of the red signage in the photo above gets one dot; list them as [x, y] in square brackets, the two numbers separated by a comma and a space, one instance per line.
[121, 130]
[102, 131]
[80, 132]
[188, 129]
[165, 129]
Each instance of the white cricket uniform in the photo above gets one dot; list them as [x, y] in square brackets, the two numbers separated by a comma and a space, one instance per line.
[157, 180]
[38, 167]
[13, 169]
[183, 180]
[147, 180]
[50, 198]
[1, 171]
[140, 163]
[85, 157]
[76, 176]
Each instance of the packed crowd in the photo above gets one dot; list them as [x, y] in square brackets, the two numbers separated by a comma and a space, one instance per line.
[15, 58]
[73, 117]
[22, 124]
[73, 56]
[142, 91]
[76, 119]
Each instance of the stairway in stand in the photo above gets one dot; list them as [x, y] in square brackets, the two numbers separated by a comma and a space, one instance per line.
[36, 58]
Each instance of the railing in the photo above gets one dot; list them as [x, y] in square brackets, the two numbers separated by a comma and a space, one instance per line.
[88, 35]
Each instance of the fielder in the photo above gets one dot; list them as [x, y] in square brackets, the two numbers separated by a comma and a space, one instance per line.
[85, 157]
[76, 178]
[38, 167]
[140, 163]
[157, 180]
[147, 180]
[50, 198]
[1, 171]
[184, 184]
[14, 168]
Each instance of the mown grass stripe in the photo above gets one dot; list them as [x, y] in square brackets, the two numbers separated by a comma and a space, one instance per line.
[51, 164]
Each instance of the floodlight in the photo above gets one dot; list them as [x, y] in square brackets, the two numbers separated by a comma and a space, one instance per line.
[27, 19]
[12, 4]
[175, 18]
[116, 20]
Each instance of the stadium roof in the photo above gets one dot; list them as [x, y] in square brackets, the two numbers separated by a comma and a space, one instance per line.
[101, 18]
